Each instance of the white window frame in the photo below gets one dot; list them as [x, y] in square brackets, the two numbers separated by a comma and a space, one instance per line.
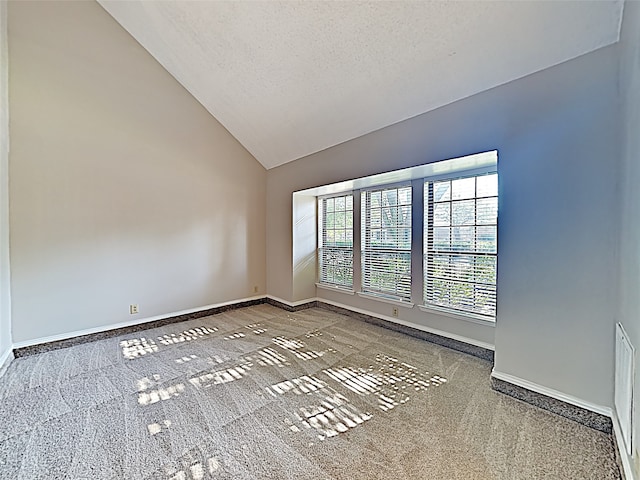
[400, 294]
[322, 280]
[430, 252]
[471, 165]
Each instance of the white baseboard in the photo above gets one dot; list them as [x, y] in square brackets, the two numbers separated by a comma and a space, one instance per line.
[624, 458]
[549, 392]
[139, 321]
[5, 359]
[292, 304]
[416, 326]
[89, 331]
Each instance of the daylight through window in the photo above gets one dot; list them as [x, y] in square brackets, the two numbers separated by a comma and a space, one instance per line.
[386, 242]
[335, 252]
[461, 244]
[424, 237]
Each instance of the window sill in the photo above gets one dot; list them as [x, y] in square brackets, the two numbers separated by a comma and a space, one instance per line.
[459, 316]
[348, 291]
[399, 303]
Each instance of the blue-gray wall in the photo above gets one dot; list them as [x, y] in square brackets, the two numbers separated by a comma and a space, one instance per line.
[629, 253]
[557, 135]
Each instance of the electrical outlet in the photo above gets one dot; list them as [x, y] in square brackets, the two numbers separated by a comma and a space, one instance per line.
[255, 289]
[394, 311]
[133, 308]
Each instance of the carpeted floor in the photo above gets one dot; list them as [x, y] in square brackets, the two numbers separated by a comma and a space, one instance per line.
[260, 393]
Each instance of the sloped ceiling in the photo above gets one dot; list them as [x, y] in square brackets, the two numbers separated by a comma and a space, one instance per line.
[288, 79]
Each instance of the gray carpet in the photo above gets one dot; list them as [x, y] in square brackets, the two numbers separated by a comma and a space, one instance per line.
[260, 393]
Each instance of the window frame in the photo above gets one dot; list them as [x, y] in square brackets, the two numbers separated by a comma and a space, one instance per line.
[321, 241]
[428, 236]
[366, 289]
[466, 166]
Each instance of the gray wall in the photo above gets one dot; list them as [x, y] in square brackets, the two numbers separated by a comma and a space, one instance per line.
[5, 290]
[123, 187]
[629, 282]
[554, 130]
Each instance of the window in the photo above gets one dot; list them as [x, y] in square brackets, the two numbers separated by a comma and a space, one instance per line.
[373, 231]
[386, 242]
[335, 243]
[460, 244]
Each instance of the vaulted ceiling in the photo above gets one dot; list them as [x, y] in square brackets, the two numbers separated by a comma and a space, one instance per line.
[288, 79]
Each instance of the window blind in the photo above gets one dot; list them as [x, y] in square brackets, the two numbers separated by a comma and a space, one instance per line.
[335, 252]
[386, 242]
[460, 244]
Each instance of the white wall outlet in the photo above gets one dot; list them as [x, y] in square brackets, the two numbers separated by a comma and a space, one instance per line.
[133, 308]
[255, 289]
[394, 311]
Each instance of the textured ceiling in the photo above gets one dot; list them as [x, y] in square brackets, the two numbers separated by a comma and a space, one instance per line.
[288, 79]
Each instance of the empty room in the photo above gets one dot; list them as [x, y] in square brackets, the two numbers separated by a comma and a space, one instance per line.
[319, 240]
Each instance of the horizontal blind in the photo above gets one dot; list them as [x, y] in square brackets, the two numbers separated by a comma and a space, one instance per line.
[386, 242]
[335, 249]
[460, 242]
